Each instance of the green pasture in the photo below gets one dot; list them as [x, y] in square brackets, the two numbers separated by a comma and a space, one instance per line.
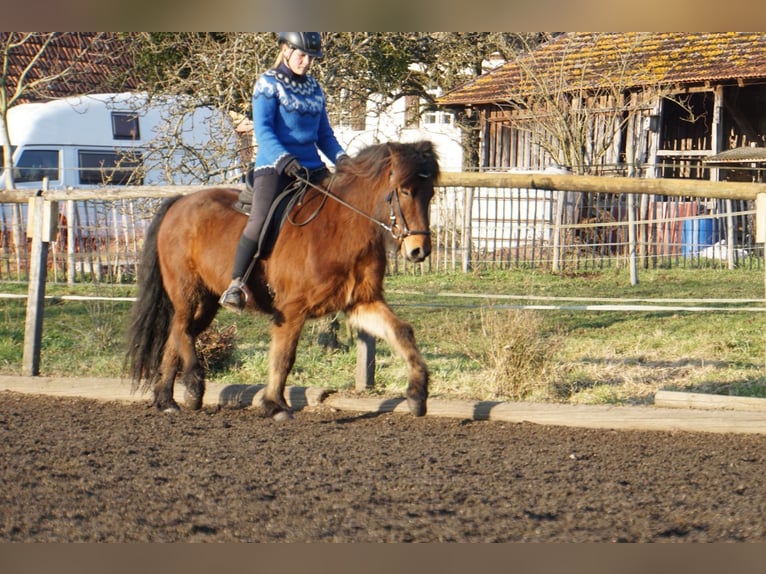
[478, 342]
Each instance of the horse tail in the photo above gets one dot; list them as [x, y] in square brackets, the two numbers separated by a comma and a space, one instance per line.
[152, 311]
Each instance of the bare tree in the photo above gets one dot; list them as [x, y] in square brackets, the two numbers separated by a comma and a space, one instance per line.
[576, 114]
[361, 72]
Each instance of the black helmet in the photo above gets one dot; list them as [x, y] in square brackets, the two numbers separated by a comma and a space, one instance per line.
[309, 42]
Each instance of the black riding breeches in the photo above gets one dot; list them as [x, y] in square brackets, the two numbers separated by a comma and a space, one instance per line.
[266, 187]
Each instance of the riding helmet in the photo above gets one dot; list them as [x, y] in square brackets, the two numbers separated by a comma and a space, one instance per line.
[309, 42]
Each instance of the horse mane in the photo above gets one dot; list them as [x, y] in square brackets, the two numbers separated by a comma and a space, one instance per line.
[391, 164]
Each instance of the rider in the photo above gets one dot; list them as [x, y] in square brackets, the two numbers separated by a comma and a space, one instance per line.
[291, 126]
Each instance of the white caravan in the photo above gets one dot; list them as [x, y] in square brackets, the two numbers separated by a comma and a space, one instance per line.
[120, 139]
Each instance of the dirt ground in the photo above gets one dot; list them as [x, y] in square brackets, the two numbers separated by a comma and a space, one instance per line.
[83, 470]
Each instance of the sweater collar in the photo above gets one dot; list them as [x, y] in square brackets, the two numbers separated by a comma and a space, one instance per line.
[289, 75]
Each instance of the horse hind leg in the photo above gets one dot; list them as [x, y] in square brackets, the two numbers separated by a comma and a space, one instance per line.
[193, 375]
[163, 387]
[180, 352]
[379, 320]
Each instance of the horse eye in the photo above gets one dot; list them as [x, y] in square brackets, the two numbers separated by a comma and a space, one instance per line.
[406, 192]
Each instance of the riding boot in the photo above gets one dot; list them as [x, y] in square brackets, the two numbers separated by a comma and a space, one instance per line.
[235, 296]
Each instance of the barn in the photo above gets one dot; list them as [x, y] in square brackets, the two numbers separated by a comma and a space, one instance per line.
[652, 104]
[634, 104]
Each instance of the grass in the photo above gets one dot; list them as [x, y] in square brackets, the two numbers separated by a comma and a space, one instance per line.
[477, 344]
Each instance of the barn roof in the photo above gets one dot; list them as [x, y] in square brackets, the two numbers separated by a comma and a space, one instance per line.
[736, 155]
[579, 60]
[100, 63]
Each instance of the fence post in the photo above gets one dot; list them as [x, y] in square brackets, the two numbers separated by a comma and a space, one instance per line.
[557, 221]
[632, 248]
[760, 223]
[365, 361]
[71, 239]
[40, 223]
[467, 229]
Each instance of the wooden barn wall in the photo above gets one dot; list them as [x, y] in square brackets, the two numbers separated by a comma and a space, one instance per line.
[512, 139]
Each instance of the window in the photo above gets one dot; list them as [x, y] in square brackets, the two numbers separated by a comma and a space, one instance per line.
[109, 168]
[438, 118]
[35, 164]
[125, 126]
[352, 111]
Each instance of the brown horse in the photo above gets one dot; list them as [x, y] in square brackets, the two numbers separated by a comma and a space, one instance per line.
[330, 256]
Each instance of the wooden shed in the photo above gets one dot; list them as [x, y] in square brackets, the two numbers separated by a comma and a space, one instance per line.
[653, 104]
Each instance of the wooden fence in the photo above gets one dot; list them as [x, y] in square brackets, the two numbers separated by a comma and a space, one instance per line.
[553, 222]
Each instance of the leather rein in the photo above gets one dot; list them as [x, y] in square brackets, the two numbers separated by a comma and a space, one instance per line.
[397, 231]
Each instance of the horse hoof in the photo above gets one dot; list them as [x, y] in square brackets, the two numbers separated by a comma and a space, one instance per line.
[417, 407]
[166, 406]
[193, 403]
[283, 416]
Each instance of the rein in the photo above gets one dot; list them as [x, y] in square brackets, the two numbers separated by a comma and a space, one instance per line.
[397, 232]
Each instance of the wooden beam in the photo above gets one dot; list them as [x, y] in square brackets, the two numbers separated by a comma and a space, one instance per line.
[600, 184]
[681, 400]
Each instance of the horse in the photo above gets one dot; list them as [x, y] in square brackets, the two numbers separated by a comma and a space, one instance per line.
[330, 256]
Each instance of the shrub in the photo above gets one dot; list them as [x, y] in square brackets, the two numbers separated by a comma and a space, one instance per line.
[517, 354]
[216, 345]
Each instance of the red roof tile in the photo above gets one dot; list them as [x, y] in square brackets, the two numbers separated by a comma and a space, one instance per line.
[100, 63]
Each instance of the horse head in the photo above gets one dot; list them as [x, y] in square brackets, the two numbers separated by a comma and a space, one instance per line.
[414, 172]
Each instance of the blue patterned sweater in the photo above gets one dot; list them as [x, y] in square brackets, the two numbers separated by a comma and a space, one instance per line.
[290, 121]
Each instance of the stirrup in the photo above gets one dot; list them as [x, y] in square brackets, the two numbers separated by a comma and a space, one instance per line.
[236, 295]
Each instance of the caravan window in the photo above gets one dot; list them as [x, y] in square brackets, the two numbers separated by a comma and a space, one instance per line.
[109, 168]
[35, 164]
[125, 126]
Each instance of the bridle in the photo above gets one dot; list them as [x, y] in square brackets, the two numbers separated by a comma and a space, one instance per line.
[397, 230]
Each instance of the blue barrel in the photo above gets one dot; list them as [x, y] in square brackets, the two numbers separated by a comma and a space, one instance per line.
[698, 234]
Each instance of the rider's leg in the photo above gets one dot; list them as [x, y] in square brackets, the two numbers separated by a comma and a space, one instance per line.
[266, 186]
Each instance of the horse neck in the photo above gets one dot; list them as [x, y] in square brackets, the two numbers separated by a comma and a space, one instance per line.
[367, 196]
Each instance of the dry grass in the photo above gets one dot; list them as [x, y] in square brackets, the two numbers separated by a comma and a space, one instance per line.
[516, 354]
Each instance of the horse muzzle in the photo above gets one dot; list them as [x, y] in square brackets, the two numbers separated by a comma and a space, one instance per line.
[416, 247]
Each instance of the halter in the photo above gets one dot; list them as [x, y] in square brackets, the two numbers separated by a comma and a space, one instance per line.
[397, 231]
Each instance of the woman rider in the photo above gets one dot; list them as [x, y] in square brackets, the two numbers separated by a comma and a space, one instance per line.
[291, 126]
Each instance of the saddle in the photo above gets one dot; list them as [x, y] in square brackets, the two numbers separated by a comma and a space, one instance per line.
[279, 210]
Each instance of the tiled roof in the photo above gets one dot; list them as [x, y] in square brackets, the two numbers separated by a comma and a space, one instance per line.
[105, 67]
[628, 59]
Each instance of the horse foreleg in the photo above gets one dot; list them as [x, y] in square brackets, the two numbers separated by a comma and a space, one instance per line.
[379, 320]
[284, 342]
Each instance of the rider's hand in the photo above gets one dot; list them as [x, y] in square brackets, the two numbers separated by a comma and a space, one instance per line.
[342, 158]
[294, 168]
